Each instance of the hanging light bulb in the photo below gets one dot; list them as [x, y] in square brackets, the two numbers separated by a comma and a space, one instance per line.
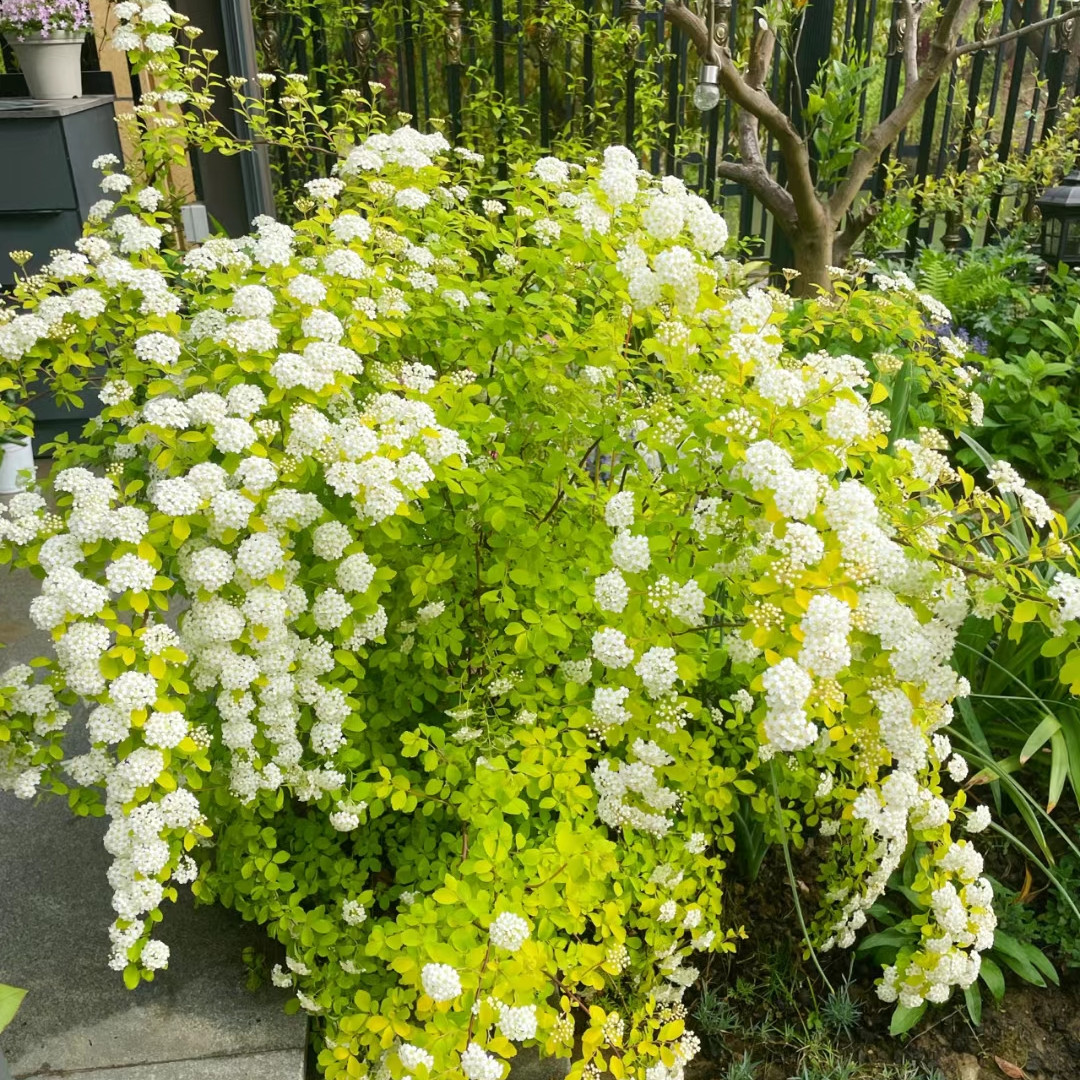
[707, 91]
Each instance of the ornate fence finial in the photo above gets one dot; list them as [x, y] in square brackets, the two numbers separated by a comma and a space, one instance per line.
[721, 21]
[363, 39]
[268, 35]
[454, 34]
[630, 12]
[896, 29]
[543, 34]
[1063, 31]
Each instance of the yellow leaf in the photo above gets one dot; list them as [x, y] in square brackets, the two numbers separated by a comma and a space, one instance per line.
[1025, 611]
[591, 1041]
[672, 1030]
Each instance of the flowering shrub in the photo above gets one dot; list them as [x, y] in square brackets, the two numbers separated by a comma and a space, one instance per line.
[44, 17]
[445, 571]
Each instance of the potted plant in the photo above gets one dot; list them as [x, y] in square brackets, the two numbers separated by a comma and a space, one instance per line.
[47, 37]
[33, 389]
[16, 462]
[16, 420]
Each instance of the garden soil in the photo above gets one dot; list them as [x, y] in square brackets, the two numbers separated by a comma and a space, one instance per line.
[1033, 1034]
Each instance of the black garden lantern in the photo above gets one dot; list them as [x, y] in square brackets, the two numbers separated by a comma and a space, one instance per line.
[1060, 209]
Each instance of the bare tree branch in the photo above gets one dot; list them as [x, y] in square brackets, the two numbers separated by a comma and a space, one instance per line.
[990, 43]
[769, 192]
[940, 57]
[912, 16]
[854, 227]
[749, 145]
[755, 101]
[760, 59]
[771, 195]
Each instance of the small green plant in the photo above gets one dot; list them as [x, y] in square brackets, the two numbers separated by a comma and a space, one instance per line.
[715, 1018]
[840, 1013]
[715, 1014]
[1027, 326]
[834, 112]
[742, 1068]
[256, 974]
[1055, 927]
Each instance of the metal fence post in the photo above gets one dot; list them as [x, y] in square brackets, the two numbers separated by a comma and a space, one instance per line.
[239, 35]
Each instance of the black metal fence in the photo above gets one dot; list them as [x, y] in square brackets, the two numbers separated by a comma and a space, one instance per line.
[574, 73]
[567, 75]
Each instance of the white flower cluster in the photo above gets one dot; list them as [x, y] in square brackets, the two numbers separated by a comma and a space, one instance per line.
[768, 467]
[1010, 482]
[440, 982]
[517, 1023]
[616, 785]
[478, 1064]
[1066, 591]
[509, 931]
[787, 686]
[404, 147]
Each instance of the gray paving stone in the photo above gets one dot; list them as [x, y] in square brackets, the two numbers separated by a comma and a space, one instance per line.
[54, 917]
[272, 1065]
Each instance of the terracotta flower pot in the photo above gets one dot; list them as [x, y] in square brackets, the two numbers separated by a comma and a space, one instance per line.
[52, 65]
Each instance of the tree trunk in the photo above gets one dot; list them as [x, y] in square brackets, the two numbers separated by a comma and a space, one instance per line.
[813, 257]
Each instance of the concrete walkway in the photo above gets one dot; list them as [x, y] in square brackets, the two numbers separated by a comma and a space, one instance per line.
[196, 1021]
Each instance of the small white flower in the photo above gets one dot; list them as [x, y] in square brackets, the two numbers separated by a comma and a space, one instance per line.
[440, 982]
[509, 931]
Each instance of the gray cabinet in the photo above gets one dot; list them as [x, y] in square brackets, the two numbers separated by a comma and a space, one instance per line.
[46, 181]
[47, 185]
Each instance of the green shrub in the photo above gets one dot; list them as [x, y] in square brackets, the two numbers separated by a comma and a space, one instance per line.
[1029, 331]
[446, 572]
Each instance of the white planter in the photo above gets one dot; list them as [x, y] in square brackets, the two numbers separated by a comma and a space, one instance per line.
[17, 467]
[52, 65]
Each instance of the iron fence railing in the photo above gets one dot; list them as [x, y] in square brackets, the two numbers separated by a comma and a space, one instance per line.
[562, 72]
[565, 74]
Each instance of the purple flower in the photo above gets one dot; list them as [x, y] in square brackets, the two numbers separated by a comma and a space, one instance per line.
[974, 343]
[43, 17]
